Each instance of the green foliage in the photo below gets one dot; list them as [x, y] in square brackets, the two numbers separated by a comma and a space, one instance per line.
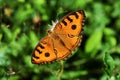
[24, 22]
[94, 42]
[109, 64]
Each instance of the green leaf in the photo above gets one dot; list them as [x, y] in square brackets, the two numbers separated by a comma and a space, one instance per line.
[109, 31]
[1, 35]
[7, 32]
[118, 76]
[94, 42]
[112, 41]
[109, 64]
[33, 39]
[73, 74]
[15, 33]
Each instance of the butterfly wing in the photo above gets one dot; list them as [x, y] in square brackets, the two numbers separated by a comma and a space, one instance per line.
[49, 49]
[59, 48]
[44, 52]
[69, 29]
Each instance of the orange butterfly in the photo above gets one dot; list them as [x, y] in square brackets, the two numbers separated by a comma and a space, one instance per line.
[64, 37]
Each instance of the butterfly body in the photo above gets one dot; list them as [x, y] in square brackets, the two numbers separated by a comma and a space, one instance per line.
[61, 40]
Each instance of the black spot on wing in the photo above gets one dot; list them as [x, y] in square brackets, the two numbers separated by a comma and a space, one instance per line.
[75, 14]
[47, 54]
[69, 19]
[38, 51]
[64, 22]
[33, 55]
[73, 27]
[41, 46]
[70, 35]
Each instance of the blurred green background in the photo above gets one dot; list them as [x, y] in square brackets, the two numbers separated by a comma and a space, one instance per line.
[24, 22]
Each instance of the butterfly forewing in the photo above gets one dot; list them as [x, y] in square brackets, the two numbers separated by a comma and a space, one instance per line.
[44, 52]
[72, 22]
[69, 29]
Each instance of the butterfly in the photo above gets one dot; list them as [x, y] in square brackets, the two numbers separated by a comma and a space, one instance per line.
[63, 38]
